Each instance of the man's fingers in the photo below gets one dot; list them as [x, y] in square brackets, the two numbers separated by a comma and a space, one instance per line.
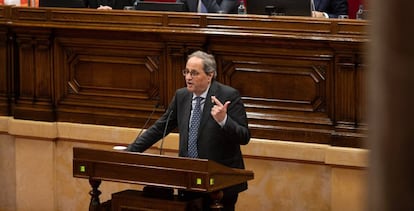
[226, 104]
[214, 100]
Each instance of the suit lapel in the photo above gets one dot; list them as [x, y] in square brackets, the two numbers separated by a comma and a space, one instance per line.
[186, 103]
[208, 105]
[187, 100]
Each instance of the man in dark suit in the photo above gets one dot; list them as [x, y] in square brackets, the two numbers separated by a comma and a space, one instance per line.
[222, 128]
[330, 8]
[212, 6]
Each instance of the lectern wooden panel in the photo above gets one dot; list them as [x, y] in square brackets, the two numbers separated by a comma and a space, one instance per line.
[198, 175]
[132, 200]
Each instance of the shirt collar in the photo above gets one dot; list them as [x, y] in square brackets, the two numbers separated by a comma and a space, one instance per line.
[203, 95]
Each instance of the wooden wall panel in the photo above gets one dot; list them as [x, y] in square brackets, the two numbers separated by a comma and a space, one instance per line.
[100, 77]
[6, 62]
[4, 73]
[350, 105]
[285, 87]
[301, 79]
[33, 75]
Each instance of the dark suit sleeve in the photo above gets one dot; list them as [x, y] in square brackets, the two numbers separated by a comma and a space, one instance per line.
[91, 4]
[338, 7]
[236, 125]
[187, 8]
[156, 131]
[104, 3]
[225, 6]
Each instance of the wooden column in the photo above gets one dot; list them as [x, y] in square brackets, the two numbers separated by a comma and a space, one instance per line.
[5, 73]
[34, 75]
[391, 107]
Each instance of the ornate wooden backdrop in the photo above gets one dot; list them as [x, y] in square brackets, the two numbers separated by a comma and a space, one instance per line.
[301, 79]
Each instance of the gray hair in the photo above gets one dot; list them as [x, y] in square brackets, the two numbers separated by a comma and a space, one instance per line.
[209, 63]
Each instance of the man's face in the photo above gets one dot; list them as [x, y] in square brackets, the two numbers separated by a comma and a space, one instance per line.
[196, 79]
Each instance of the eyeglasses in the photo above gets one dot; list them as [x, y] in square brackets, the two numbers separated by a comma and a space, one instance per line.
[192, 73]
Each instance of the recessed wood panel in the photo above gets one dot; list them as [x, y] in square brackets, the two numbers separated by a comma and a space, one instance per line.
[295, 88]
[287, 97]
[135, 74]
[104, 81]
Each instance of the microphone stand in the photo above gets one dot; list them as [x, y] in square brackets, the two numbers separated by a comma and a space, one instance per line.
[142, 129]
[165, 131]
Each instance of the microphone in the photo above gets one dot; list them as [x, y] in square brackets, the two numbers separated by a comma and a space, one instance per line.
[165, 131]
[148, 119]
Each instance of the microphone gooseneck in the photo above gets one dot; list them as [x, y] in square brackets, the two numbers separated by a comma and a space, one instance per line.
[165, 131]
[148, 119]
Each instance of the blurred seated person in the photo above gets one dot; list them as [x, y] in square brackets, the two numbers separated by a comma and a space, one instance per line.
[211, 6]
[330, 8]
[91, 4]
[113, 4]
[63, 3]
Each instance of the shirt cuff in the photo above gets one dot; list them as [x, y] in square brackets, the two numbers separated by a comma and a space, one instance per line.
[222, 123]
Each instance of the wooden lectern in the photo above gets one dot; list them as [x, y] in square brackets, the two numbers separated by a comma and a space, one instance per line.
[197, 175]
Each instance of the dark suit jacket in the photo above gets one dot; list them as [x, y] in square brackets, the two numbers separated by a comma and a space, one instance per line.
[115, 4]
[91, 4]
[332, 7]
[62, 3]
[221, 145]
[213, 6]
